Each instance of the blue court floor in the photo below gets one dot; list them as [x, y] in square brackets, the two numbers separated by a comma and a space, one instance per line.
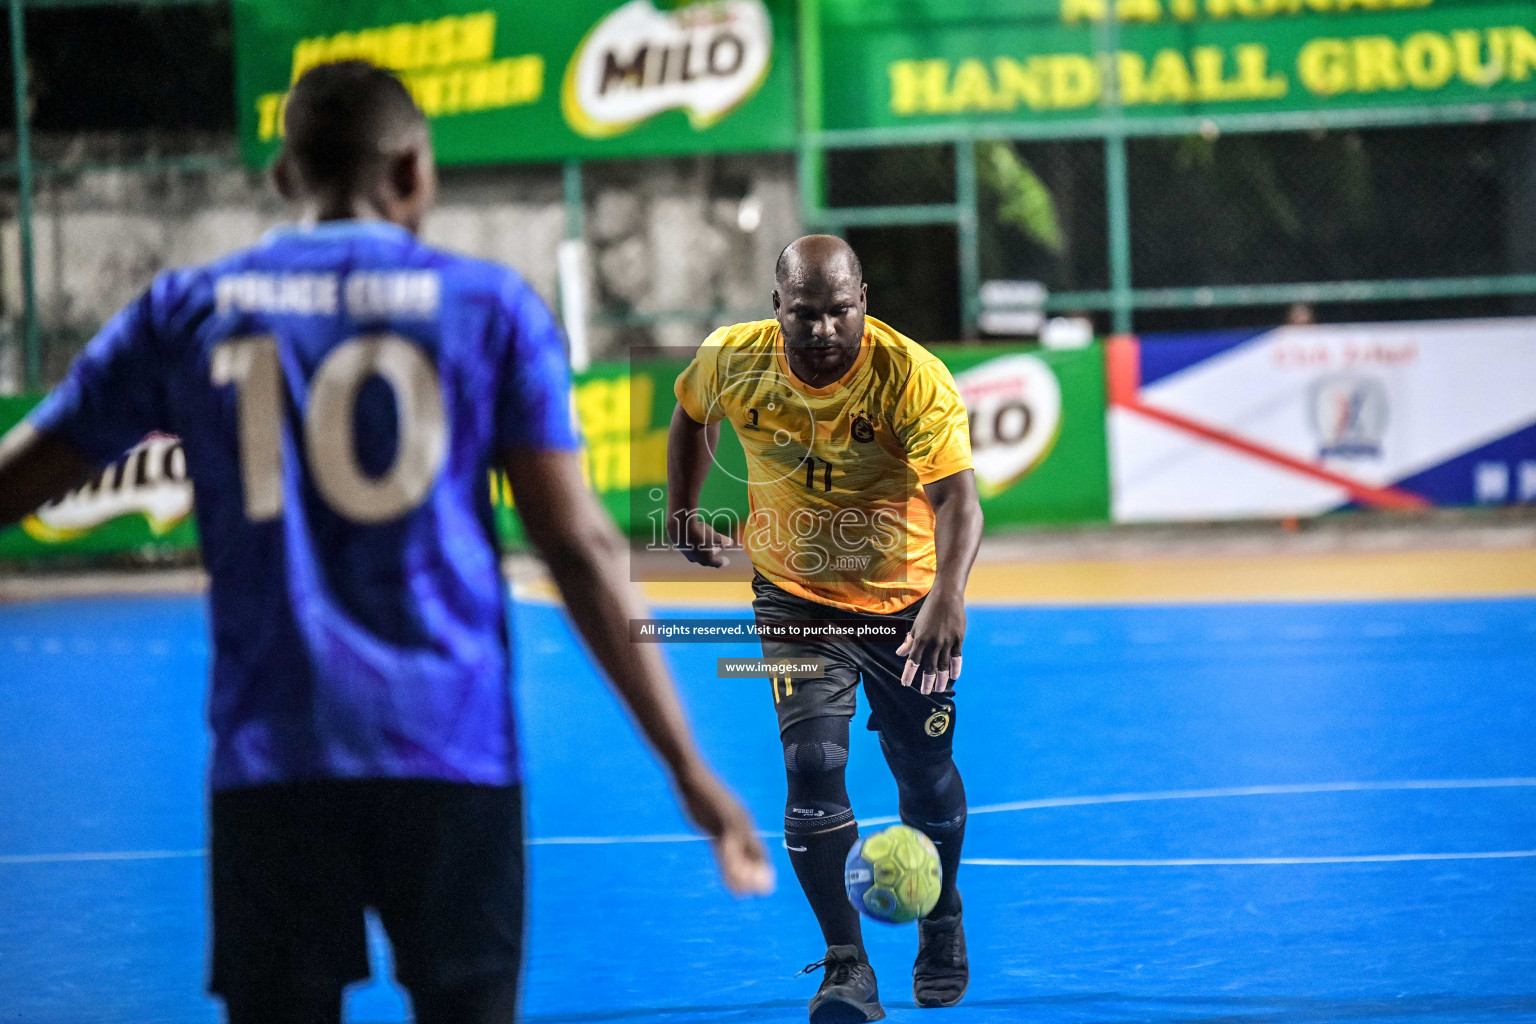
[1264, 813]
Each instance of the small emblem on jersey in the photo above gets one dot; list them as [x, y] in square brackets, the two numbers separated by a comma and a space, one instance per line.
[937, 723]
[863, 430]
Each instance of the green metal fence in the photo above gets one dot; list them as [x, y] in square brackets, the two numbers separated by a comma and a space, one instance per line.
[1112, 131]
[1099, 153]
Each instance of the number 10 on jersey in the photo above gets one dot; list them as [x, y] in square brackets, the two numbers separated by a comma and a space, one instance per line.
[329, 439]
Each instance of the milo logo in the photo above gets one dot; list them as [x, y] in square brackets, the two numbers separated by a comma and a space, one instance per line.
[150, 480]
[704, 58]
[1014, 407]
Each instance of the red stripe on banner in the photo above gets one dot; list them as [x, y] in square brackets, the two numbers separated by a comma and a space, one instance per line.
[1376, 497]
[1122, 367]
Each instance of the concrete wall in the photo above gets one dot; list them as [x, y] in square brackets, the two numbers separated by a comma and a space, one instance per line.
[698, 234]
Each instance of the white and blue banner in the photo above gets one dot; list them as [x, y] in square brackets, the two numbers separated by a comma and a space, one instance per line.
[1298, 421]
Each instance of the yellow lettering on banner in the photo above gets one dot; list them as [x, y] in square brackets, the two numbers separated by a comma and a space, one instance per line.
[603, 406]
[1209, 64]
[1254, 80]
[1469, 49]
[1522, 52]
[1017, 84]
[409, 46]
[1376, 64]
[399, 47]
[1073, 80]
[642, 397]
[648, 460]
[477, 37]
[1169, 80]
[1429, 60]
[343, 46]
[918, 86]
[1424, 61]
[1323, 66]
[1131, 74]
[269, 115]
[427, 91]
[972, 88]
[1073, 11]
[1139, 10]
[306, 54]
[436, 43]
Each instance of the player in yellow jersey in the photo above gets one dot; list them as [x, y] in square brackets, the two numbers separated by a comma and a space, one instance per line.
[863, 507]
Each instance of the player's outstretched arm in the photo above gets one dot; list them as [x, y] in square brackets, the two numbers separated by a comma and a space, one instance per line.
[933, 647]
[690, 445]
[35, 468]
[586, 558]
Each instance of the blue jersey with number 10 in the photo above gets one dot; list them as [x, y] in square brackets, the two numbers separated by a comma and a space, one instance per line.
[340, 392]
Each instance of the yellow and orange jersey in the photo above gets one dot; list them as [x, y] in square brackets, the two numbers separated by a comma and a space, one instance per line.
[835, 474]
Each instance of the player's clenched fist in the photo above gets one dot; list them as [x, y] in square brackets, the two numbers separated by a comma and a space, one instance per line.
[699, 542]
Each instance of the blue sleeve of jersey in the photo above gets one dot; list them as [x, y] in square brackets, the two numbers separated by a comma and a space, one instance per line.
[114, 392]
[533, 400]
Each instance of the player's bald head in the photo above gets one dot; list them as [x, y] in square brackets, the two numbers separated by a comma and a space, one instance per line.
[343, 120]
[818, 257]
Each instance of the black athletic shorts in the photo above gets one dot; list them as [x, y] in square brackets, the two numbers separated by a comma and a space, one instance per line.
[908, 720]
[294, 867]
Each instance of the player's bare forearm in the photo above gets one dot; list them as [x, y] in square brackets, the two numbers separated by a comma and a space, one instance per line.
[35, 468]
[933, 648]
[586, 559]
[690, 453]
[957, 525]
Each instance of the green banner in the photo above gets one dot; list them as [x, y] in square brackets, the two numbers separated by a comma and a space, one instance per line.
[1037, 431]
[936, 62]
[504, 81]
[141, 504]
[1037, 436]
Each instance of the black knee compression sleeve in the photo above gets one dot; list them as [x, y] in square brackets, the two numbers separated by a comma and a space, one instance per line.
[819, 828]
[815, 753]
[932, 800]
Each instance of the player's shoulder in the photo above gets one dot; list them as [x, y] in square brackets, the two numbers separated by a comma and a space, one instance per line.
[744, 337]
[897, 357]
[472, 277]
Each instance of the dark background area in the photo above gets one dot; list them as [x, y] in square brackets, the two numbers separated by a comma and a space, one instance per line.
[1450, 201]
[126, 68]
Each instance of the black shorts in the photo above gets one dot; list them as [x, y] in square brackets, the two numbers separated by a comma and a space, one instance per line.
[294, 867]
[914, 723]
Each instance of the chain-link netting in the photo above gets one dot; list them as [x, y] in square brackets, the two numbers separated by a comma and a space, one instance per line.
[1041, 214]
[674, 248]
[1454, 201]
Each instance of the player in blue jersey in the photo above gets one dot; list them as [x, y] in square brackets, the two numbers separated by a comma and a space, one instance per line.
[342, 392]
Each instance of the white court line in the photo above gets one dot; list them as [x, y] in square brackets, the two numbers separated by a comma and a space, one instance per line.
[1017, 805]
[75, 858]
[1185, 862]
[674, 837]
[1201, 794]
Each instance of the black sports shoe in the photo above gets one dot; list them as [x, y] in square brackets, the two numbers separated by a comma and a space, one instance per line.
[847, 994]
[942, 972]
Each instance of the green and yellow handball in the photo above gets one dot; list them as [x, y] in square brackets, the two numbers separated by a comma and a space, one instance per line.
[893, 876]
